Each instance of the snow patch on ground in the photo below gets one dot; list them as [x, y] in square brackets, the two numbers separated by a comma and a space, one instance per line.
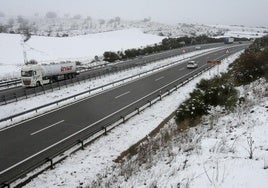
[78, 48]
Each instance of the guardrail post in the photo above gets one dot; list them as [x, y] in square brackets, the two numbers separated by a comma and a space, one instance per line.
[51, 163]
[35, 91]
[72, 81]
[6, 185]
[82, 144]
[51, 87]
[122, 117]
[65, 83]
[15, 95]
[150, 103]
[25, 94]
[4, 99]
[138, 109]
[168, 91]
[59, 85]
[105, 130]
[160, 97]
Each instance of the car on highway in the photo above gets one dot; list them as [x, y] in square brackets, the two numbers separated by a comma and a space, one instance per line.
[198, 47]
[192, 65]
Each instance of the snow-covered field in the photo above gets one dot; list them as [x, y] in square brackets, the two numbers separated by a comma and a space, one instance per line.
[219, 157]
[90, 38]
[54, 49]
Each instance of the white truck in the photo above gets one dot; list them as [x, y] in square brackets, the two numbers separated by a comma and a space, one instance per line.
[229, 40]
[34, 74]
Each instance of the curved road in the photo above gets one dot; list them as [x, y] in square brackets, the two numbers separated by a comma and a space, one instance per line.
[26, 144]
[20, 92]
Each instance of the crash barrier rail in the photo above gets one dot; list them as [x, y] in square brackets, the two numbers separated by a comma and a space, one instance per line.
[13, 82]
[146, 59]
[28, 92]
[59, 86]
[89, 134]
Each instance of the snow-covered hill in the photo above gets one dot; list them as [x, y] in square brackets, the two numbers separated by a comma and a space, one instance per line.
[81, 26]
[89, 37]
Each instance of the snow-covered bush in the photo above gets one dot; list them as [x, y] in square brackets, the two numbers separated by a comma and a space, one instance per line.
[252, 64]
[218, 91]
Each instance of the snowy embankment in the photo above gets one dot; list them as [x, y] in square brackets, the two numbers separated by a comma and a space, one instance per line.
[219, 156]
[78, 48]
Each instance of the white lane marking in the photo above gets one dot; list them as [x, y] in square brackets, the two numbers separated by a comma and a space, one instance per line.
[91, 96]
[66, 138]
[181, 69]
[122, 95]
[159, 78]
[46, 127]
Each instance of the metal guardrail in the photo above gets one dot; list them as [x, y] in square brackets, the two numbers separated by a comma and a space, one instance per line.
[91, 90]
[7, 84]
[16, 81]
[136, 61]
[26, 93]
[120, 117]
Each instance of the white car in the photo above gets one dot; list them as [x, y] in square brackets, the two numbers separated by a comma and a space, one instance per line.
[192, 65]
[198, 47]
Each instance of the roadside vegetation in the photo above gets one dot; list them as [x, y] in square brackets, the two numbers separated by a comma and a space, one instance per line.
[218, 91]
[166, 44]
[252, 64]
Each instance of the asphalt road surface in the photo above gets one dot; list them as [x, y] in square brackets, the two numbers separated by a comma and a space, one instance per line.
[12, 93]
[26, 144]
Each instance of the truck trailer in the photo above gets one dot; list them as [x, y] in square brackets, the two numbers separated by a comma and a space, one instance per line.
[34, 74]
[228, 40]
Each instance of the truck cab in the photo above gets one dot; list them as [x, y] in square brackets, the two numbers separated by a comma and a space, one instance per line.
[31, 75]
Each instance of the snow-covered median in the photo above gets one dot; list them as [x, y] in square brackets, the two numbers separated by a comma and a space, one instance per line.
[33, 102]
[220, 159]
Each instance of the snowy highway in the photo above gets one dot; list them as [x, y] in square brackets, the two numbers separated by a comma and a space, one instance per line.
[11, 94]
[43, 136]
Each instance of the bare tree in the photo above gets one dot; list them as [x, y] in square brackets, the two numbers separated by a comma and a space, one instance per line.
[10, 22]
[20, 19]
[51, 15]
[77, 17]
[117, 19]
[250, 149]
[67, 15]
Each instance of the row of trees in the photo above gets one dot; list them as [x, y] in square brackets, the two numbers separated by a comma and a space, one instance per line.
[166, 44]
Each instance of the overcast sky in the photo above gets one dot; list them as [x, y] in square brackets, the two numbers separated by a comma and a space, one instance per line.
[240, 12]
